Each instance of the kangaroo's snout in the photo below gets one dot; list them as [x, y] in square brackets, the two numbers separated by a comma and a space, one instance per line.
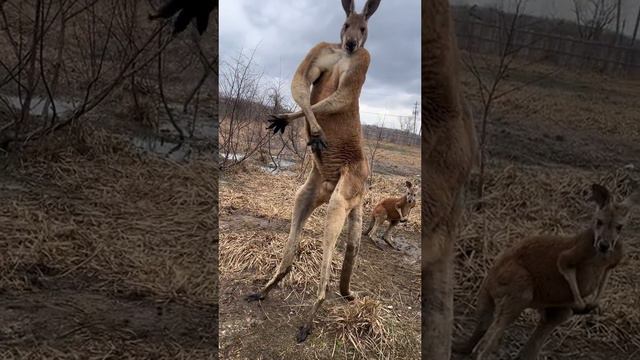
[350, 45]
[603, 247]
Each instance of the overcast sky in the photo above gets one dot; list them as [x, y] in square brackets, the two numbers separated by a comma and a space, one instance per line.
[563, 9]
[285, 30]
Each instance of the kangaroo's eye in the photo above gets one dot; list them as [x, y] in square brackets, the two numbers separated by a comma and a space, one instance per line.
[598, 223]
[619, 227]
[362, 29]
[346, 26]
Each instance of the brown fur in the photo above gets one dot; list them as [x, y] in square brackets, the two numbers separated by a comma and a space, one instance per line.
[394, 210]
[335, 75]
[448, 154]
[552, 274]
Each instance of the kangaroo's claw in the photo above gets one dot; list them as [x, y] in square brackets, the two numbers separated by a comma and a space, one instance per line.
[317, 143]
[254, 297]
[278, 123]
[303, 333]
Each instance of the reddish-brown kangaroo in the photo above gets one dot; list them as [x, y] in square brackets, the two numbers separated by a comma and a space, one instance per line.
[327, 87]
[553, 274]
[394, 210]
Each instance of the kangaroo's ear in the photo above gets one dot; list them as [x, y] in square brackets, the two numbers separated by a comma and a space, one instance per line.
[600, 195]
[349, 6]
[408, 184]
[369, 8]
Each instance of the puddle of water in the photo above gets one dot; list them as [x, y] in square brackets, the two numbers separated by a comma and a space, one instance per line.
[153, 144]
[232, 156]
[281, 166]
[38, 103]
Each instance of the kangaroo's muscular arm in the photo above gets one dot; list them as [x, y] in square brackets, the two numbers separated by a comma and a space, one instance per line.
[307, 73]
[317, 60]
[349, 87]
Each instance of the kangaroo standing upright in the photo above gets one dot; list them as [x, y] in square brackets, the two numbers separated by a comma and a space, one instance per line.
[327, 87]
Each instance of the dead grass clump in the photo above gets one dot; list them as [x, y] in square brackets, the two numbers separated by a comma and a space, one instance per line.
[360, 323]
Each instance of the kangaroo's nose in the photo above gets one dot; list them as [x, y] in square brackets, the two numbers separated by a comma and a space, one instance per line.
[603, 247]
[351, 45]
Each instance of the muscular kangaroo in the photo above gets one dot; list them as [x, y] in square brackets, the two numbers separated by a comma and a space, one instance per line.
[327, 87]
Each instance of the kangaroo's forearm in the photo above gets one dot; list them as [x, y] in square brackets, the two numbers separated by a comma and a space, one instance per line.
[570, 276]
[601, 286]
[330, 105]
[301, 93]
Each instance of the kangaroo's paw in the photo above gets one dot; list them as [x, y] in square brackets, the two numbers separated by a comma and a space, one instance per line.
[317, 142]
[587, 309]
[278, 122]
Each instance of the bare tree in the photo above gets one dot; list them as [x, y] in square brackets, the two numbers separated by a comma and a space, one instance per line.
[244, 106]
[373, 144]
[92, 50]
[594, 16]
[635, 28]
[490, 73]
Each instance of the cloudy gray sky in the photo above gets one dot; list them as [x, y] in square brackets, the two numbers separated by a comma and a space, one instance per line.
[563, 9]
[282, 31]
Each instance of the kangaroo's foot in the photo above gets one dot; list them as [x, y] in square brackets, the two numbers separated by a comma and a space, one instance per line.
[255, 297]
[304, 332]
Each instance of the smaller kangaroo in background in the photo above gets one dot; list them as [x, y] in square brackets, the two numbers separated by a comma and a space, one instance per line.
[551, 274]
[392, 209]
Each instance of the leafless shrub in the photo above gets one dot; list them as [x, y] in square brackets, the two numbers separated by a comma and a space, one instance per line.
[490, 73]
[62, 59]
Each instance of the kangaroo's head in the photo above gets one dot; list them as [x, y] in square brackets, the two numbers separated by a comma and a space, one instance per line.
[610, 217]
[411, 193]
[354, 31]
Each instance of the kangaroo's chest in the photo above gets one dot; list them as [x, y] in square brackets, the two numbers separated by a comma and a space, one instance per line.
[333, 66]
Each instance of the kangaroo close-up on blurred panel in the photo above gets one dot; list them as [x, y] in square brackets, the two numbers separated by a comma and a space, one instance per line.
[530, 156]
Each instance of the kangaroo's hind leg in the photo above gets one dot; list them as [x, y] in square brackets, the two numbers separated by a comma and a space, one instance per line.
[550, 318]
[340, 204]
[307, 199]
[354, 231]
[387, 234]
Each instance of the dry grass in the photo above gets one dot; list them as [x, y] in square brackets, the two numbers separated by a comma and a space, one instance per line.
[255, 210]
[98, 207]
[107, 251]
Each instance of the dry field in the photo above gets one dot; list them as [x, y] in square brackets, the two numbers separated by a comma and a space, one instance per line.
[547, 144]
[106, 252]
[383, 323]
